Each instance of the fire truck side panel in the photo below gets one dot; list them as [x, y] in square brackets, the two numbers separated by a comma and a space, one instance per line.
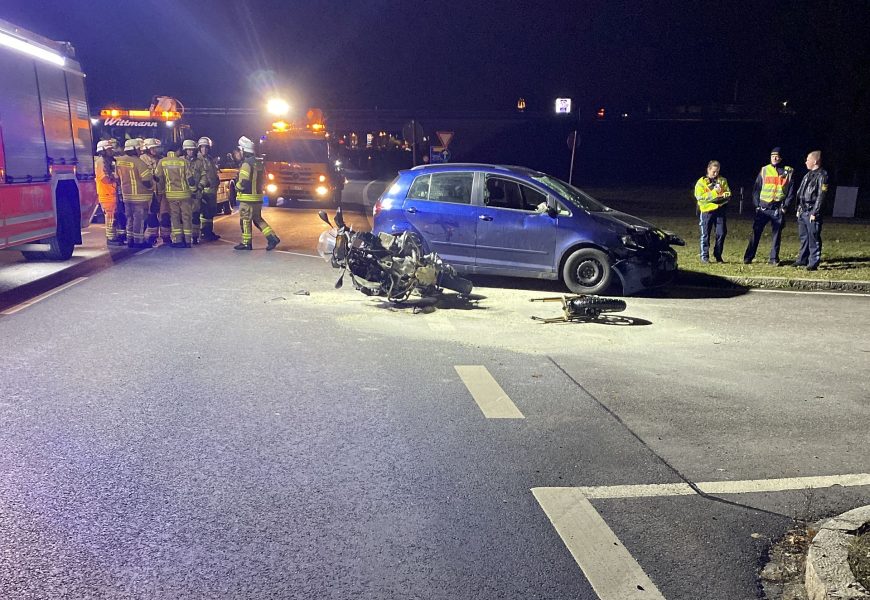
[55, 115]
[20, 118]
[26, 213]
[81, 124]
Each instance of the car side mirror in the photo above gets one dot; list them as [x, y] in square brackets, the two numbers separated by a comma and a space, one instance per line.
[552, 208]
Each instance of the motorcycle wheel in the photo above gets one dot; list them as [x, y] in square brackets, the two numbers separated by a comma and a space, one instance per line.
[456, 283]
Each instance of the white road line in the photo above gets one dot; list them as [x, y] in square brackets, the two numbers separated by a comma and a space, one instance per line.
[298, 253]
[32, 301]
[492, 400]
[610, 568]
[145, 251]
[818, 293]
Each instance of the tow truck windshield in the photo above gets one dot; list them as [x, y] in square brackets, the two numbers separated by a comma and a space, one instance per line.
[286, 149]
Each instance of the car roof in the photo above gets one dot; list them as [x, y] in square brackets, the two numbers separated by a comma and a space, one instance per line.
[508, 169]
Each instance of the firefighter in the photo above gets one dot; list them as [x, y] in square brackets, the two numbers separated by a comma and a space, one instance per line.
[176, 173]
[207, 189]
[772, 196]
[150, 155]
[120, 214]
[189, 148]
[135, 179]
[250, 198]
[107, 189]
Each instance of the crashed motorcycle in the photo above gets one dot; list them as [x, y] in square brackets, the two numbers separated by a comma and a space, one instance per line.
[391, 266]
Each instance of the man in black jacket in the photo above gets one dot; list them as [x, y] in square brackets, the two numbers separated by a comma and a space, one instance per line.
[810, 195]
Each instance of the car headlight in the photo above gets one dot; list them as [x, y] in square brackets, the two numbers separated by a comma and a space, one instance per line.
[322, 190]
[322, 178]
[271, 188]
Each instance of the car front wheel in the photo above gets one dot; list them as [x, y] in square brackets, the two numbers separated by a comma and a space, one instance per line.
[587, 271]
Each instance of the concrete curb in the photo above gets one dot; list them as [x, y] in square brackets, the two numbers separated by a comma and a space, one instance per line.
[694, 279]
[828, 575]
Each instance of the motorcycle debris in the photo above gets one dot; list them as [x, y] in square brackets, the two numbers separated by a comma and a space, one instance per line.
[302, 293]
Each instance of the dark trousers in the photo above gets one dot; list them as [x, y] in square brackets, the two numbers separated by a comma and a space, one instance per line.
[208, 209]
[810, 232]
[709, 220]
[763, 216]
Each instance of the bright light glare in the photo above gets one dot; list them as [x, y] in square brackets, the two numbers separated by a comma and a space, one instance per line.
[170, 123]
[321, 190]
[271, 188]
[277, 106]
[22, 46]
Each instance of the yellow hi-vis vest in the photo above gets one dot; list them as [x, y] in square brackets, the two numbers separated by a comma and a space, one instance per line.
[176, 174]
[773, 188]
[250, 171]
[132, 175]
[708, 198]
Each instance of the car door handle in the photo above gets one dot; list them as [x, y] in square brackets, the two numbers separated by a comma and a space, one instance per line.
[411, 210]
[484, 218]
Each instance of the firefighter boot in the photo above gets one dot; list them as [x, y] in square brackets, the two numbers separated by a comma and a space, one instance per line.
[243, 246]
[272, 241]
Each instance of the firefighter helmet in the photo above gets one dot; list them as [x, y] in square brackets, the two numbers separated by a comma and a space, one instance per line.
[132, 144]
[103, 145]
[150, 143]
[246, 145]
[204, 141]
[188, 145]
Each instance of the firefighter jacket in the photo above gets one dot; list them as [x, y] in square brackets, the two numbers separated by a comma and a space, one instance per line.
[712, 193]
[135, 178]
[249, 185]
[208, 174]
[773, 187]
[152, 162]
[177, 176]
[107, 184]
[811, 193]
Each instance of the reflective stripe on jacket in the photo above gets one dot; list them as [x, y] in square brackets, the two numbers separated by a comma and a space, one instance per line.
[709, 199]
[133, 175]
[248, 185]
[774, 186]
[176, 174]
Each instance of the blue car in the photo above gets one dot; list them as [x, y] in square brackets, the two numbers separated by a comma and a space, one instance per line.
[517, 222]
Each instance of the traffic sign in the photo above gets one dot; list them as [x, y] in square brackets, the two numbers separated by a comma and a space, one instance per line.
[444, 137]
[438, 154]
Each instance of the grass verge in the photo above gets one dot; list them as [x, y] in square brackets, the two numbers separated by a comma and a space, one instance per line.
[859, 559]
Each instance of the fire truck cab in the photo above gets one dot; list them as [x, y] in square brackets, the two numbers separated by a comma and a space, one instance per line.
[47, 187]
[300, 162]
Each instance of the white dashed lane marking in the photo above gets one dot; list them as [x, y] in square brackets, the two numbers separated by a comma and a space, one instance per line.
[32, 301]
[492, 400]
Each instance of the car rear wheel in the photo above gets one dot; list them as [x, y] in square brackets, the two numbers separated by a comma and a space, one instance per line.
[587, 271]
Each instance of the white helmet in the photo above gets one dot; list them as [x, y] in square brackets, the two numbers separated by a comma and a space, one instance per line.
[139, 143]
[103, 145]
[151, 143]
[188, 145]
[204, 141]
[132, 144]
[246, 145]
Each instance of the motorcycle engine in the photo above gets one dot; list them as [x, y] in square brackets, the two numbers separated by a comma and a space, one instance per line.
[427, 276]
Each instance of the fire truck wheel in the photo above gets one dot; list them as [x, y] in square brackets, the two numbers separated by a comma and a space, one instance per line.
[61, 245]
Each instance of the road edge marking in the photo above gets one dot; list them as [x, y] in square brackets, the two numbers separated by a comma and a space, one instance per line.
[41, 297]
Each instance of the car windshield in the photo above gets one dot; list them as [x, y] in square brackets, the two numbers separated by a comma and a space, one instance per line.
[572, 194]
[294, 150]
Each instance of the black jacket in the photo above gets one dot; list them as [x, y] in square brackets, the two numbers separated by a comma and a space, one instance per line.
[811, 192]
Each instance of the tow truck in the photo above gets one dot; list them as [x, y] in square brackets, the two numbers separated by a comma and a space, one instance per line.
[300, 162]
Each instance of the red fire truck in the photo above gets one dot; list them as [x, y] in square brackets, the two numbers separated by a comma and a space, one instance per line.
[47, 188]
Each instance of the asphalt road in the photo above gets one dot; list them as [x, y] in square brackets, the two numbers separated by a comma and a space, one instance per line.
[208, 423]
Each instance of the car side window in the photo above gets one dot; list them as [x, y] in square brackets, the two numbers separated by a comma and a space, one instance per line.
[451, 187]
[419, 190]
[506, 193]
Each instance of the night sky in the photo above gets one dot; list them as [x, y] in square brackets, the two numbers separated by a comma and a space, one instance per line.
[463, 55]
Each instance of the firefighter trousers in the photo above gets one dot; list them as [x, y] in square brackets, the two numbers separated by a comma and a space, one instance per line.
[152, 223]
[208, 209]
[180, 213]
[165, 219]
[137, 214]
[252, 213]
[109, 205]
[196, 212]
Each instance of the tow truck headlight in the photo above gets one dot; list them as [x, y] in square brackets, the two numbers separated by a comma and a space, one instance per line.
[271, 176]
[271, 188]
[322, 190]
[322, 178]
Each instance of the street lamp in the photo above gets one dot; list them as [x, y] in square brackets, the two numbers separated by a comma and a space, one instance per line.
[277, 107]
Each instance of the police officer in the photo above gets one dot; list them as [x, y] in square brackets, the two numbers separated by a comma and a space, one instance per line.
[249, 188]
[810, 195]
[176, 174]
[189, 148]
[207, 189]
[107, 189]
[712, 194]
[772, 195]
[135, 179]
